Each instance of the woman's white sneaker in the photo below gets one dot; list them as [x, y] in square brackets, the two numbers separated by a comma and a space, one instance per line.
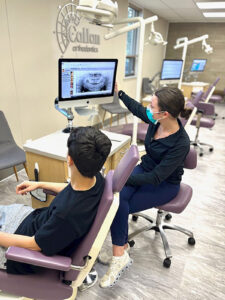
[105, 257]
[117, 266]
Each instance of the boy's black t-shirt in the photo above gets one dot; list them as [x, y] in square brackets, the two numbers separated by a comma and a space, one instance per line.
[59, 228]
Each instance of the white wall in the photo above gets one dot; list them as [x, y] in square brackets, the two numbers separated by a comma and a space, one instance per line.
[29, 55]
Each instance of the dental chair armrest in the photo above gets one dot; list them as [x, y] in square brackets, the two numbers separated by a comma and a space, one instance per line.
[36, 258]
[208, 108]
[49, 192]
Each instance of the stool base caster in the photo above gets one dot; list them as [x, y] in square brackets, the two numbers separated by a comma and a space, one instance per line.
[167, 262]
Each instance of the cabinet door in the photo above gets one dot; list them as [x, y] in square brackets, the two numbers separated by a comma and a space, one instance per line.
[119, 154]
[50, 169]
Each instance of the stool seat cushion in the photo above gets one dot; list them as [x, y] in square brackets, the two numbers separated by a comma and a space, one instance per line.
[204, 122]
[178, 204]
[216, 99]
[127, 129]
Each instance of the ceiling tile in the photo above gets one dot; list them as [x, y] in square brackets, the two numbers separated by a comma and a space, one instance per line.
[177, 10]
[174, 4]
[149, 4]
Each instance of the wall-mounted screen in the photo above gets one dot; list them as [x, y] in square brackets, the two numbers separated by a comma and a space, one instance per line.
[198, 65]
[171, 70]
[86, 81]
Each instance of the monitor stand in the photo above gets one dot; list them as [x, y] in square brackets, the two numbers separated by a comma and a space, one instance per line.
[69, 127]
[82, 111]
[90, 112]
[68, 113]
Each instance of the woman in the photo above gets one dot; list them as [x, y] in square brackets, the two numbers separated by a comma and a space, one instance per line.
[156, 180]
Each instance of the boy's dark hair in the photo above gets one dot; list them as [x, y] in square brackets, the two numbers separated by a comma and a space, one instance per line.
[171, 99]
[88, 147]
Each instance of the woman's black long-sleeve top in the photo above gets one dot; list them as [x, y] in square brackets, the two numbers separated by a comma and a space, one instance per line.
[164, 158]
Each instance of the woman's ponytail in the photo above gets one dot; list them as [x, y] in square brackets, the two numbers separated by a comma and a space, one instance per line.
[185, 113]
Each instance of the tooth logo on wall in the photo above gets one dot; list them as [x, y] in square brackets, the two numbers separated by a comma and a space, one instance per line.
[68, 31]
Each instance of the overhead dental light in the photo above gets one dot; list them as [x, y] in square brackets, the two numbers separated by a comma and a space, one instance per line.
[207, 48]
[183, 42]
[99, 12]
[155, 38]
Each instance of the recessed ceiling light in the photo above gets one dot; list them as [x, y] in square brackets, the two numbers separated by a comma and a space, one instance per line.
[210, 5]
[214, 14]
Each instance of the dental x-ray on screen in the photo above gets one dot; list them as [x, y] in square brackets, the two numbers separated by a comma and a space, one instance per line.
[86, 81]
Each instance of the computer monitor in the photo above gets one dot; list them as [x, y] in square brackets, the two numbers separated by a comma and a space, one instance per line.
[171, 71]
[85, 82]
[198, 65]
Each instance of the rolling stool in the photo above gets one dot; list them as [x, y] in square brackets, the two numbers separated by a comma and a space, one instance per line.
[177, 205]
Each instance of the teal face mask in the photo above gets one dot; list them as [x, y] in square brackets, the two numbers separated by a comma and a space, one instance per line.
[150, 116]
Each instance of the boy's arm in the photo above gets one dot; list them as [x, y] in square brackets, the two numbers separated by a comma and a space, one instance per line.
[28, 186]
[17, 240]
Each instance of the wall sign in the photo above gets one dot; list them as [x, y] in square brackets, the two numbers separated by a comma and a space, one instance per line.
[68, 31]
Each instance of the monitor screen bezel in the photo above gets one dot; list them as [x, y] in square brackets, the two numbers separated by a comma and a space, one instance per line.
[172, 78]
[198, 70]
[61, 60]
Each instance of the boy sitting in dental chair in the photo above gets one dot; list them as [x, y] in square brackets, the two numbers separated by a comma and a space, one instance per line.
[59, 228]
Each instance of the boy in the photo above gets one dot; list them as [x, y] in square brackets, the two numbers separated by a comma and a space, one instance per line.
[59, 228]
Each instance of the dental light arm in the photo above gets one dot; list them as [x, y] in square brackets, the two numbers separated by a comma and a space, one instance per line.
[184, 43]
[181, 42]
[136, 23]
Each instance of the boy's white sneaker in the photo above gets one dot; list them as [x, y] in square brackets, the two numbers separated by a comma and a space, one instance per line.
[117, 266]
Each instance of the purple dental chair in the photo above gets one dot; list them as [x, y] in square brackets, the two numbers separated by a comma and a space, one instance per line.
[177, 205]
[208, 91]
[204, 118]
[216, 98]
[60, 275]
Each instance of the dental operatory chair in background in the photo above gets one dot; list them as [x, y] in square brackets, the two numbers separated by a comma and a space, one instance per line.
[61, 276]
[209, 92]
[217, 99]
[213, 98]
[204, 118]
[177, 205]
